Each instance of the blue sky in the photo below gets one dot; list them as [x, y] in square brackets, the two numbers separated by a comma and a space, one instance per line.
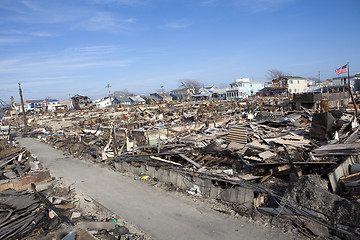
[61, 48]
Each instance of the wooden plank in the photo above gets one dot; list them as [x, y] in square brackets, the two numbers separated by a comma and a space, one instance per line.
[190, 161]
[351, 178]
[224, 160]
[198, 157]
[204, 158]
[295, 163]
[163, 160]
[210, 161]
[26, 181]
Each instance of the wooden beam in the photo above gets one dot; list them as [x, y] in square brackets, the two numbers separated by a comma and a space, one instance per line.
[163, 160]
[190, 161]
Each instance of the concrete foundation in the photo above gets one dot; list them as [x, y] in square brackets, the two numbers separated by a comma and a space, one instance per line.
[208, 187]
[336, 100]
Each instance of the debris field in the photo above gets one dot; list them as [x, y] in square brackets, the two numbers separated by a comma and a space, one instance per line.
[260, 156]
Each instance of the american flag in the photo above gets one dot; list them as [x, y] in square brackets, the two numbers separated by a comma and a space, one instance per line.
[342, 69]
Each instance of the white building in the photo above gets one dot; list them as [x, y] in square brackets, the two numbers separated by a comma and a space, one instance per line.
[103, 102]
[242, 88]
[296, 84]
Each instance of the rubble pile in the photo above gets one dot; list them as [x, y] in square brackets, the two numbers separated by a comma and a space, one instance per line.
[261, 144]
[311, 192]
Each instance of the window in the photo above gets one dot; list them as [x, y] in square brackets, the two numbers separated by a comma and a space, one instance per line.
[295, 90]
[298, 81]
[290, 81]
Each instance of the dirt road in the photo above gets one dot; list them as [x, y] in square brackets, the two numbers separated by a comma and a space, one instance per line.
[161, 214]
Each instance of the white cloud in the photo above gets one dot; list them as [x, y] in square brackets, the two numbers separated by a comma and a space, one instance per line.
[105, 21]
[40, 14]
[43, 34]
[100, 21]
[97, 49]
[32, 6]
[177, 24]
[120, 2]
[131, 20]
[70, 61]
[263, 5]
[210, 2]
[254, 6]
[10, 40]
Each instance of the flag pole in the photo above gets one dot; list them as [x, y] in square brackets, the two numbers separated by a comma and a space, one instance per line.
[348, 70]
[351, 93]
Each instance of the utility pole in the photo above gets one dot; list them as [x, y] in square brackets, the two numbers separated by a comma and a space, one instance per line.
[321, 89]
[108, 87]
[23, 109]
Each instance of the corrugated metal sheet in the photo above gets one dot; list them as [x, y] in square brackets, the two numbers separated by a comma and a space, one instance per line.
[238, 134]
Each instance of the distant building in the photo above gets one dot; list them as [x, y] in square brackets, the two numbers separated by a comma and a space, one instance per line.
[81, 102]
[120, 100]
[296, 84]
[203, 94]
[182, 94]
[103, 102]
[218, 93]
[65, 104]
[136, 100]
[285, 85]
[160, 97]
[40, 105]
[343, 81]
[243, 88]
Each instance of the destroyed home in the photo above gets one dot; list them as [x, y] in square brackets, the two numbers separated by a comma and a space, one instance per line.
[65, 104]
[81, 102]
[151, 149]
[102, 103]
[38, 206]
[252, 153]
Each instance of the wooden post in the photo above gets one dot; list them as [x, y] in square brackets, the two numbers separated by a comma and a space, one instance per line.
[115, 142]
[324, 105]
[23, 109]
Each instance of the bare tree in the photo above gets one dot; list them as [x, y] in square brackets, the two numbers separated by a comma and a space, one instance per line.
[124, 93]
[274, 73]
[191, 83]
